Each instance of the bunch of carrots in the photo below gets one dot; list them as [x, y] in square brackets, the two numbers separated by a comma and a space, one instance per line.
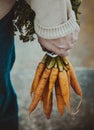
[54, 73]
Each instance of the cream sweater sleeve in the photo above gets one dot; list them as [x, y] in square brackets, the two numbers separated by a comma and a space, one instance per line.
[54, 18]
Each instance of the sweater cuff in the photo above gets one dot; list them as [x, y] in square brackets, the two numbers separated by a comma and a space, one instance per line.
[56, 31]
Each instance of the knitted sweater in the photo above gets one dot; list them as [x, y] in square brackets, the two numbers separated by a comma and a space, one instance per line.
[54, 18]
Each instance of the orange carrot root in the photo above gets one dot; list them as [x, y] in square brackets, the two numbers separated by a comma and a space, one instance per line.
[59, 99]
[55, 72]
[74, 81]
[52, 80]
[38, 74]
[63, 81]
[39, 90]
[47, 106]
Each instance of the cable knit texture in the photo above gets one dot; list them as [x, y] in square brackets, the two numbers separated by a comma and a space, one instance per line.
[58, 31]
[54, 18]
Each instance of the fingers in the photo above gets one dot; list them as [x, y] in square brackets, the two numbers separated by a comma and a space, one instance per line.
[47, 45]
[61, 51]
[53, 46]
[60, 46]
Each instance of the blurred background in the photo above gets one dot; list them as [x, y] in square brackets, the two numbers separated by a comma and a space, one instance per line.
[82, 54]
[82, 57]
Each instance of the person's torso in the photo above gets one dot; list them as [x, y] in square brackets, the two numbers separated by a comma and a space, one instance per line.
[5, 7]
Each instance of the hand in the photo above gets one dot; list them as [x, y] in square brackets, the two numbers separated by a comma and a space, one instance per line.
[60, 46]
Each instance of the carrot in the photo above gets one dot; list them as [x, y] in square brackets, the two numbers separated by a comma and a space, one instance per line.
[59, 98]
[63, 81]
[38, 74]
[52, 79]
[40, 88]
[47, 106]
[68, 76]
[74, 81]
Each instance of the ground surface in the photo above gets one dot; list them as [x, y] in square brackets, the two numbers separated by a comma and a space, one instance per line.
[37, 121]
